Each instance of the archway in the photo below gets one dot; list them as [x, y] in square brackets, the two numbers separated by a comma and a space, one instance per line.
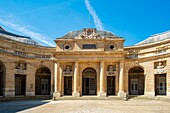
[2, 78]
[42, 81]
[136, 81]
[89, 83]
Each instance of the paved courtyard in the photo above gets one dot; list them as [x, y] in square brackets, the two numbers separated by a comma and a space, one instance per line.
[86, 106]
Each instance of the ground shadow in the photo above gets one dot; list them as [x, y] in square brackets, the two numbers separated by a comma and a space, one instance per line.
[16, 106]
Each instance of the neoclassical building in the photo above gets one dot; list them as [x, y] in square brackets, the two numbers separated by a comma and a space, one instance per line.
[84, 62]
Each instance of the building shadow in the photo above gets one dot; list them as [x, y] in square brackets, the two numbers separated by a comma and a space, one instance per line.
[20, 105]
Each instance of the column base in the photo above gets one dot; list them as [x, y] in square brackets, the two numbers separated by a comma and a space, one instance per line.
[122, 94]
[76, 94]
[30, 93]
[102, 94]
[168, 94]
[150, 94]
[9, 92]
[56, 95]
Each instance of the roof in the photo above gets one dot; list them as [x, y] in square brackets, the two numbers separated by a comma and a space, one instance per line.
[155, 38]
[73, 34]
[2, 31]
[16, 37]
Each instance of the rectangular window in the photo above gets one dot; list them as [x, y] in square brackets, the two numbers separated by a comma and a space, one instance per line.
[89, 46]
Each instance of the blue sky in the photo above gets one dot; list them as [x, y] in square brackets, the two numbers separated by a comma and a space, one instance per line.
[45, 20]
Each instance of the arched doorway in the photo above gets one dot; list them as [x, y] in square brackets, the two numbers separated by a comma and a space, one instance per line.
[136, 81]
[89, 83]
[2, 78]
[42, 81]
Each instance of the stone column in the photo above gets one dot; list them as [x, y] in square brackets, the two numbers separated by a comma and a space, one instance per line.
[121, 92]
[56, 93]
[76, 73]
[102, 93]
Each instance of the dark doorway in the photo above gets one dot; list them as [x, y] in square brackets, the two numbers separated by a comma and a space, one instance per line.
[89, 82]
[43, 78]
[20, 84]
[160, 84]
[67, 85]
[136, 81]
[110, 85]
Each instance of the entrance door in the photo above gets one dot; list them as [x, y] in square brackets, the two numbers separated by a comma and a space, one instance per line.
[89, 86]
[67, 85]
[160, 83]
[20, 83]
[111, 85]
[89, 82]
[44, 86]
[92, 86]
[134, 86]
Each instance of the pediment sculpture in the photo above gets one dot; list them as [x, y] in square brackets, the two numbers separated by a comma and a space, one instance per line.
[89, 34]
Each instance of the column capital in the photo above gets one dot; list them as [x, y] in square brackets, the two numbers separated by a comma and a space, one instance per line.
[76, 61]
[56, 62]
[121, 61]
[102, 61]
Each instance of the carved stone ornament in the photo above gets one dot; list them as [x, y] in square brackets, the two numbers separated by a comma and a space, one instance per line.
[89, 34]
[160, 69]
[68, 71]
[21, 72]
[111, 71]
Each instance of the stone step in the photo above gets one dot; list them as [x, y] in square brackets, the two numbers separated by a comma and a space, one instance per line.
[89, 98]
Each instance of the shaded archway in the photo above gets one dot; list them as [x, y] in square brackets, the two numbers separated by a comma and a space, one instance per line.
[136, 81]
[2, 78]
[89, 83]
[42, 81]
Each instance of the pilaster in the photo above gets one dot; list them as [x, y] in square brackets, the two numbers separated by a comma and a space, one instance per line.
[75, 92]
[102, 93]
[56, 93]
[121, 92]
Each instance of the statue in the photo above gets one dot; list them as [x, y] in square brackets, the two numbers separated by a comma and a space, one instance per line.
[160, 66]
[160, 69]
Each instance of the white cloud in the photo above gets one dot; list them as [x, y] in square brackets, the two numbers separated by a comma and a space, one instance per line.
[96, 19]
[23, 29]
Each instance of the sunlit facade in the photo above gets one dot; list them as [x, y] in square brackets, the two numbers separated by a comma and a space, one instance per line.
[83, 63]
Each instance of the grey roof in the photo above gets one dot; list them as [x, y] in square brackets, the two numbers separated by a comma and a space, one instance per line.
[155, 38]
[2, 31]
[16, 37]
[74, 34]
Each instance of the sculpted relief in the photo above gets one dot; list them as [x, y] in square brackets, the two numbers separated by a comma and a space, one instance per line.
[160, 69]
[89, 34]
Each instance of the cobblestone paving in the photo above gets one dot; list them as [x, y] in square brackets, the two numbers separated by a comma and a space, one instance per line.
[87, 106]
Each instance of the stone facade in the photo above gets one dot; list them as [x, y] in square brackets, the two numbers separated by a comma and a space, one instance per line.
[87, 62]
